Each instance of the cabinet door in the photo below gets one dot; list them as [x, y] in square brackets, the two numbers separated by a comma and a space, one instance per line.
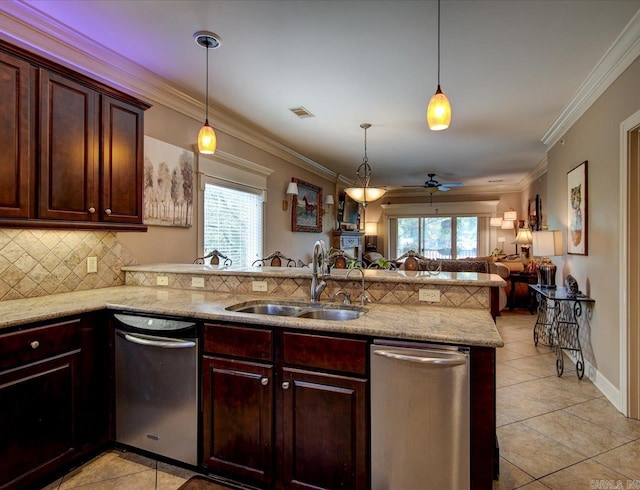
[238, 418]
[68, 164]
[324, 425]
[15, 127]
[122, 155]
[36, 416]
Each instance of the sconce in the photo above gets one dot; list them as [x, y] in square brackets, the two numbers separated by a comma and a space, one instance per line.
[328, 202]
[292, 190]
[510, 215]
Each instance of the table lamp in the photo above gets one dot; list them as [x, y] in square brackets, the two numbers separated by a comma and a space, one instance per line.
[546, 244]
[524, 239]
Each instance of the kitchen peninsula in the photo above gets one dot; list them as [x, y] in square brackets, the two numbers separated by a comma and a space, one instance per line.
[298, 350]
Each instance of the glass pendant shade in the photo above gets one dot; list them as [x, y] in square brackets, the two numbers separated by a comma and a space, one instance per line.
[439, 111]
[364, 195]
[207, 140]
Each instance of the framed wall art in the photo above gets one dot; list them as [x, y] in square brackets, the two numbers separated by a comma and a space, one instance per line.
[535, 213]
[306, 211]
[168, 184]
[577, 210]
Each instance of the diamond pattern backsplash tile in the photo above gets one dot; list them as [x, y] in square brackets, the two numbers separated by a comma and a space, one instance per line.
[41, 262]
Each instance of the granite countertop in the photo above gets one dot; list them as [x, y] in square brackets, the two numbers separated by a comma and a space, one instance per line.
[423, 277]
[463, 326]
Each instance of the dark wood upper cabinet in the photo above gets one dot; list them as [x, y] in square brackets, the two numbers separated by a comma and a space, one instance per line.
[15, 127]
[68, 184]
[122, 143]
[72, 148]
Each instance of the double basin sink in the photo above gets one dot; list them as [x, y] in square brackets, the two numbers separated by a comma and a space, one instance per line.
[315, 311]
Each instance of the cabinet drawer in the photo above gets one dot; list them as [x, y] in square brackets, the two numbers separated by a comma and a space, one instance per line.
[251, 343]
[38, 343]
[330, 353]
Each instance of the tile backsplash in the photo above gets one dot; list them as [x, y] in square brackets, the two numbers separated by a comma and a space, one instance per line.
[41, 262]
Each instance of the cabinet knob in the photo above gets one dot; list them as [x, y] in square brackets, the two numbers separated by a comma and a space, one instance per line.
[92, 210]
[285, 385]
[35, 344]
[264, 381]
[107, 211]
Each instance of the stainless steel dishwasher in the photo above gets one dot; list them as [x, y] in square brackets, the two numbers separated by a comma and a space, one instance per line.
[420, 424]
[156, 370]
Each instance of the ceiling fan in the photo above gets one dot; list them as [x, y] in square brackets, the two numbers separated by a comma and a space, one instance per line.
[433, 184]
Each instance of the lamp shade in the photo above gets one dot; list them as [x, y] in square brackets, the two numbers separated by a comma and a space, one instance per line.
[507, 224]
[510, 216]
[439, 111]
[523, 237]
[329, 200]
[207, 140]
[547, 243]
[365, 194]
[371, 228]
[292, 188]
[495, 221]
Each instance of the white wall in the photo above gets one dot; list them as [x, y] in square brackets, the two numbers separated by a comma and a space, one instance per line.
[596, 138]
[179, 245]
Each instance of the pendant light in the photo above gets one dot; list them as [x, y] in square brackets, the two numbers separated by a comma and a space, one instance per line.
[365, 194]
[439, 109]
[207, 140]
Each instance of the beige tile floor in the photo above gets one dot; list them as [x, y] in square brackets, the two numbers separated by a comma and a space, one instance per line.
[558, 433]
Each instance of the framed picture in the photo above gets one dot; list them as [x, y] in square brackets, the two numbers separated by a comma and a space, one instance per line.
[577, 210]
[535, 213]
[306, 212]
[168, 184]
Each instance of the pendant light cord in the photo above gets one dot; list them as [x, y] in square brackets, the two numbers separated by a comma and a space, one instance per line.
[438, 43]
[206, 102]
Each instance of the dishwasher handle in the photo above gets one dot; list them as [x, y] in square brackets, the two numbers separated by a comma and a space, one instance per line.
[447, 361]
[164, 343]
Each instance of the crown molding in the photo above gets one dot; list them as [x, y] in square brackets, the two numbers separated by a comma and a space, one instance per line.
[27, 27]
[624, 50]
[537, 172]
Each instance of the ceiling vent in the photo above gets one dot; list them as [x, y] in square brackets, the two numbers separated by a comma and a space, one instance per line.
[301, 112]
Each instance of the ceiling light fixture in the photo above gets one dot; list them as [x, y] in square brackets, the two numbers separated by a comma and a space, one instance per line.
[439, 109]
[207, 140]
[365, 194]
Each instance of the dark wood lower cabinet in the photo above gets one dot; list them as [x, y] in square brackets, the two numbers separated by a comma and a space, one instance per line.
[36, 417]
[238, 418]
[324, 425]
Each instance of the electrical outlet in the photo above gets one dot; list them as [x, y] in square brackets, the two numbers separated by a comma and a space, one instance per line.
[431, 295]
[197, 282]
[260, 286]
[162, 280]
[92, 265]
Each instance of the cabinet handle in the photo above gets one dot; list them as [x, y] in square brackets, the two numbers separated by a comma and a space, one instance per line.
[264, 381]
[285, 385]
[92, 210]
[35, 344]
[107, 211]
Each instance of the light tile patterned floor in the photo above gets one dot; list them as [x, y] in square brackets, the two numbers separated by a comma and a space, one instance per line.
[557, 433]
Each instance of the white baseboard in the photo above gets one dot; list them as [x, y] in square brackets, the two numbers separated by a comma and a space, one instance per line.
[607, 388]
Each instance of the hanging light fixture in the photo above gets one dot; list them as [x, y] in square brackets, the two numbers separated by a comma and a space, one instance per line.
[439, 109]
[207, 140]
[365, 194]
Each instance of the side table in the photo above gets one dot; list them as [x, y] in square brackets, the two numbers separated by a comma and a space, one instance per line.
[523, 278]
[558, 324]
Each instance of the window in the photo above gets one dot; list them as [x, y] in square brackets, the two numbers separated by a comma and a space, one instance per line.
[233, 219]
[437, 237]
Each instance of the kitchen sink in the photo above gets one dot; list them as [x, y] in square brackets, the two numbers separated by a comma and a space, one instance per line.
[336, 314]
[300, 310]
[270, 309]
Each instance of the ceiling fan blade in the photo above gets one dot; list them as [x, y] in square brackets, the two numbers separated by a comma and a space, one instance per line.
[443, 188]
[452, 184]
